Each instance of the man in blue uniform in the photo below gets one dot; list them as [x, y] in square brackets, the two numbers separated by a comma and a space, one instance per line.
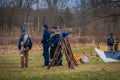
[44, 41]
[24, 45]
[53, 42]
[60, 54]
[110, 42]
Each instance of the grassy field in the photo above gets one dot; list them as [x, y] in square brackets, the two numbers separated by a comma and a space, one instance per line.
[94, 70]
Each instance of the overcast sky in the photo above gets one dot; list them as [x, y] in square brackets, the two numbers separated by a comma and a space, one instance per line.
[67, 3]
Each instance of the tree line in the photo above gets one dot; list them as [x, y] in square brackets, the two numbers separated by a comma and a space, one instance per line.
[91, 18]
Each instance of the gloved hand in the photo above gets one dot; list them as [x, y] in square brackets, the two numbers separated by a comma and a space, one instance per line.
[22, 43]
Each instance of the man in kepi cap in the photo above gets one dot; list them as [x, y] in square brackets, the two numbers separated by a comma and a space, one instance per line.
[24, 45]
[44, 41]
[53, 42]
[110, 41]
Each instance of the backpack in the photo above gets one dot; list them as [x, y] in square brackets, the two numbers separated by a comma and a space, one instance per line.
[26, 41]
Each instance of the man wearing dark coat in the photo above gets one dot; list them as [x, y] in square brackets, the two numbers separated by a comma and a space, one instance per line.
[53, 42]
[110, 42]
[44, 41]
[24, 45]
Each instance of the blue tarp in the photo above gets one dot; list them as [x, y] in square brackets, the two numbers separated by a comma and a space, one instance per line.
[108, 56]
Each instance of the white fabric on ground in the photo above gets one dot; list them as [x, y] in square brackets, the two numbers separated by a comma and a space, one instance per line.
[108, 56]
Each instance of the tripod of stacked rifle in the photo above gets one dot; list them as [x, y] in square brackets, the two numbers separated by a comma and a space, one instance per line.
[64, 46]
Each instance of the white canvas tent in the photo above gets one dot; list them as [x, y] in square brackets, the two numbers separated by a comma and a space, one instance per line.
[108, 56]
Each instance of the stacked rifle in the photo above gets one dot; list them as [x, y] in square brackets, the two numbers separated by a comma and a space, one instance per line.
[66, 48]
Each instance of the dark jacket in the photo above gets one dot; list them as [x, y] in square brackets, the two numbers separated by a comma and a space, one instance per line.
[55, 38]
[28, 42]
[110, 41]
[45, 38]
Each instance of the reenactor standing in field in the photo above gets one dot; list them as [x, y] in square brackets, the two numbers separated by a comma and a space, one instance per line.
[110, 42]
[60, 54]
[24, 45]
[53, 42]
[44, 41]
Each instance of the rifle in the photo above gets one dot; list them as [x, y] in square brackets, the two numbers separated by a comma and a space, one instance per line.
[67, 51]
